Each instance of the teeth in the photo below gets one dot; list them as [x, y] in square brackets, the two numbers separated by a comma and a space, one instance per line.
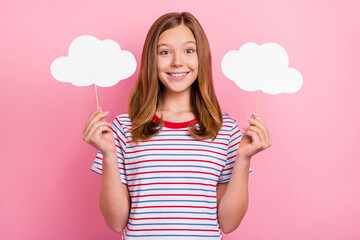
[178, 75]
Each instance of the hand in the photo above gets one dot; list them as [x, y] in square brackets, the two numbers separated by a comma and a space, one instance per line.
[97, 132]
[255, 139]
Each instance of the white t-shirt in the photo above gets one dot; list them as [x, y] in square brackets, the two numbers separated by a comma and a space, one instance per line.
[172, 179]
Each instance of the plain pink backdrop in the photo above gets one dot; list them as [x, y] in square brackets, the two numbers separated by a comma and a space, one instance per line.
[306, 186]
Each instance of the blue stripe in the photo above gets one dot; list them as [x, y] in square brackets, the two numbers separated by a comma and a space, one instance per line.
[235, 139]
[171, 189]
[173, 166]
[127, 121]
[135, 179]
[232, 151]
[223, 130]
[119, 143]
[119, 153]
[169, 144]
[95, 171]
[227, 174]
[119, 130]
[100, 163]
[229, 163]
[200, 155]
[169, 235]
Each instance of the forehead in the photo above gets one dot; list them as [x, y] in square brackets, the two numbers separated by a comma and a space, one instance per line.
[180, 34]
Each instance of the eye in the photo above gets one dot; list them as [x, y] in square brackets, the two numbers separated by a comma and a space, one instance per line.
[190, 50]
[165, 52]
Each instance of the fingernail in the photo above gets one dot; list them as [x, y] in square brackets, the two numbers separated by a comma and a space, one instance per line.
[106, 112]
[254, 114]
[250, 119]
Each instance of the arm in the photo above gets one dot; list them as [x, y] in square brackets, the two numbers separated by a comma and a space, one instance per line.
[233, 197]
[114, 201]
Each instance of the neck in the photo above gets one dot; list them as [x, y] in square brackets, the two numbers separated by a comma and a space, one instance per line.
[175, 102]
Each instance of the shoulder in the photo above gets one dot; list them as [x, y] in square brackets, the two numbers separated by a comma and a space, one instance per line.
[123, 118]
[228, 119]
[123, 121]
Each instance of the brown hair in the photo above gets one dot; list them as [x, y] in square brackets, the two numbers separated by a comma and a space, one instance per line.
[143, 100]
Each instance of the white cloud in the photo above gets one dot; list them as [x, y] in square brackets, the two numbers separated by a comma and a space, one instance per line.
[263, 67]
[92, 61]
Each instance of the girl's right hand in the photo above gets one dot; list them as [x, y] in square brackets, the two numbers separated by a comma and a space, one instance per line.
[97, 132]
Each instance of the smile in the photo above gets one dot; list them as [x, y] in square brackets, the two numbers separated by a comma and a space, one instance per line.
[178, 76]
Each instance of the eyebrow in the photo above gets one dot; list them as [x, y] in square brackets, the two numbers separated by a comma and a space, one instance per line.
[163, 44]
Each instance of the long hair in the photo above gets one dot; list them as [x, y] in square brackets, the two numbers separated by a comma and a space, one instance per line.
[145, 95]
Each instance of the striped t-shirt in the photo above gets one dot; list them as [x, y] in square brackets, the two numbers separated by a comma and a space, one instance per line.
[172, 179]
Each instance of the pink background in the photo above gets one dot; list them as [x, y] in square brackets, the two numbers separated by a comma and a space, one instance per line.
[306, 186]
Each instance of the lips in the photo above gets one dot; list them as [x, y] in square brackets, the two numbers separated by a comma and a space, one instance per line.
[177, 75]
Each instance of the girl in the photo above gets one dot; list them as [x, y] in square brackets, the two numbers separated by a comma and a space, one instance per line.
[184, 165]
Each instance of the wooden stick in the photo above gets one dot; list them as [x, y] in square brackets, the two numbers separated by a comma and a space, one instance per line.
[97, 100]
[257, 102]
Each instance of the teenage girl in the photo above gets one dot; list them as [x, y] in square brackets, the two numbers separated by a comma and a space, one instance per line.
[183, 164]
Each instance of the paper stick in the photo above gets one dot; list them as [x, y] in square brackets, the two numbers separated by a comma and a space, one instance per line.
[97, 100]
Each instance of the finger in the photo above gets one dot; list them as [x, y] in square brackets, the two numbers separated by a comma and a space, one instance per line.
[259, 133]
[96, 136]
[257, 121]
[254, 137]
[93, 114]
[88, 120]
[98, 117]
[92, 130]
[264, 143]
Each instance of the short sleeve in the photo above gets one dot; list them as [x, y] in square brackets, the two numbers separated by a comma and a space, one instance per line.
[120, 141]
[234, 141]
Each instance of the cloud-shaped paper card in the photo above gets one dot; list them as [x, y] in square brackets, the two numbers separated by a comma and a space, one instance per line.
[261, 67]
[92, 61]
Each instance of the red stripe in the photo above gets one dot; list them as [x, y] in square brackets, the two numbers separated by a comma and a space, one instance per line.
[172, 149]
[174, 160]
[234, 144]
[203, 230]
[234, 133]
[193, 140]
[173, 195]
[231, 157]
[175, 207]
[172, 218]
[224, 134]
[118, 135]
[174, 130]
[172, 172]
[228, 169]
[144, 184]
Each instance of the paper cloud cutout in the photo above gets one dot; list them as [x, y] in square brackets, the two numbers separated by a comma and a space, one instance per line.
[263, 67]
[92, 61]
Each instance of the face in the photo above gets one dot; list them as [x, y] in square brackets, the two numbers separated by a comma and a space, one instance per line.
[177, 61]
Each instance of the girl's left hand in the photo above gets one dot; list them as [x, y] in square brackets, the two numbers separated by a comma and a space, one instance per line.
[255, 139]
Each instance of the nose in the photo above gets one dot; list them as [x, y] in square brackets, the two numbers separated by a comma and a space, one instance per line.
[177, 60]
